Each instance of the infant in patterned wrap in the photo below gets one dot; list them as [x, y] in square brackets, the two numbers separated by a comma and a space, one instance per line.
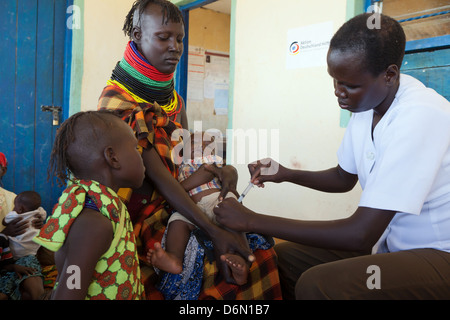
[204, 189]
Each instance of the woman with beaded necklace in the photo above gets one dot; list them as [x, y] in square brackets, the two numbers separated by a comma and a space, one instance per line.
[141, 90]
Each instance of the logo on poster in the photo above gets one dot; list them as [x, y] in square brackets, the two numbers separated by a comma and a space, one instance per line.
[294, 48]
[307, 46]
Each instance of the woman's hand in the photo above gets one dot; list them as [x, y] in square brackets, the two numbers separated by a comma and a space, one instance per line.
[37, 222]
[266, 170]
[16, 227]
[230, 242]
[234, 215]
[228, 177]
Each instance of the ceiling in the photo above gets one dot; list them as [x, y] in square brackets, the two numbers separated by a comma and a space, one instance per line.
[223, 6]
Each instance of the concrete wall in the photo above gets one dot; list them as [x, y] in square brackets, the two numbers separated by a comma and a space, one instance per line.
[103, 46]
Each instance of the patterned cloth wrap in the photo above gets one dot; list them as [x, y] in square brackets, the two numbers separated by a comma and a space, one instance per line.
[188, 284]
[117, 274]
[10, 281]
[189, 166]
[150, 213]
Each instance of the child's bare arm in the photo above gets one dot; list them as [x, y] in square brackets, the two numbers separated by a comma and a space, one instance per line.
[199, 177]
[89, 238]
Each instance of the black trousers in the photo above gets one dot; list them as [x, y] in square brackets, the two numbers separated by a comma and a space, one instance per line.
[314, 273]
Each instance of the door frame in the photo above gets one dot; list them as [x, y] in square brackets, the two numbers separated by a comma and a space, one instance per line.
[181, 75]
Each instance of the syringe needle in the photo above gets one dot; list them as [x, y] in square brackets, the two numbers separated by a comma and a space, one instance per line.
[250, 185]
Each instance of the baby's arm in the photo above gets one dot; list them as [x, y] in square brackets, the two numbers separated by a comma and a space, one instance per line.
[90, 236]
[199, 177]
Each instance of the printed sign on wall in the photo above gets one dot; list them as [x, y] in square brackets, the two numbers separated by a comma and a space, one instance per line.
[308, 46]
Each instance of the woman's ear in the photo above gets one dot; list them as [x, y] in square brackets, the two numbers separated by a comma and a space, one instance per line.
[392, 74]
[111, 158]
[136, 34]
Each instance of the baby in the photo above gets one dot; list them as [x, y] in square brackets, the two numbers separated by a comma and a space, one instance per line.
[203, 188]
[27, 205]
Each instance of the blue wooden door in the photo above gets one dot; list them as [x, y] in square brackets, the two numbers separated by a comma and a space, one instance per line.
[31, 75]
[431, 67]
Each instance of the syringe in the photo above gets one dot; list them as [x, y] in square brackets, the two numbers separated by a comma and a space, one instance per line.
[243, 194]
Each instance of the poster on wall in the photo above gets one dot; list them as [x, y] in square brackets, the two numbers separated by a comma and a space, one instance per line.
[221, 99]
[307, 46]
[196, 73]
[208, 77]
[217, 74]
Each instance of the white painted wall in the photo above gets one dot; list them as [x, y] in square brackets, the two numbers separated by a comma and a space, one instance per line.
[104, 45]
[299, 103]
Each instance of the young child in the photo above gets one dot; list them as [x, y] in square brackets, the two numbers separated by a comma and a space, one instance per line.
[27, 205]
[204, 188]
[90, 228]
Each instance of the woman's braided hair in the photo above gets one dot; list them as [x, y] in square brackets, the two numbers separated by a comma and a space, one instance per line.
[170, 12]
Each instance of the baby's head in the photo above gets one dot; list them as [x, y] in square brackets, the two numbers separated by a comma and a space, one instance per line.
[202, 144]
[27, 201]
[97, 145]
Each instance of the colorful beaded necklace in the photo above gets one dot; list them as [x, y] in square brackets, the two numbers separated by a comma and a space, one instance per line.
[143, 82]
